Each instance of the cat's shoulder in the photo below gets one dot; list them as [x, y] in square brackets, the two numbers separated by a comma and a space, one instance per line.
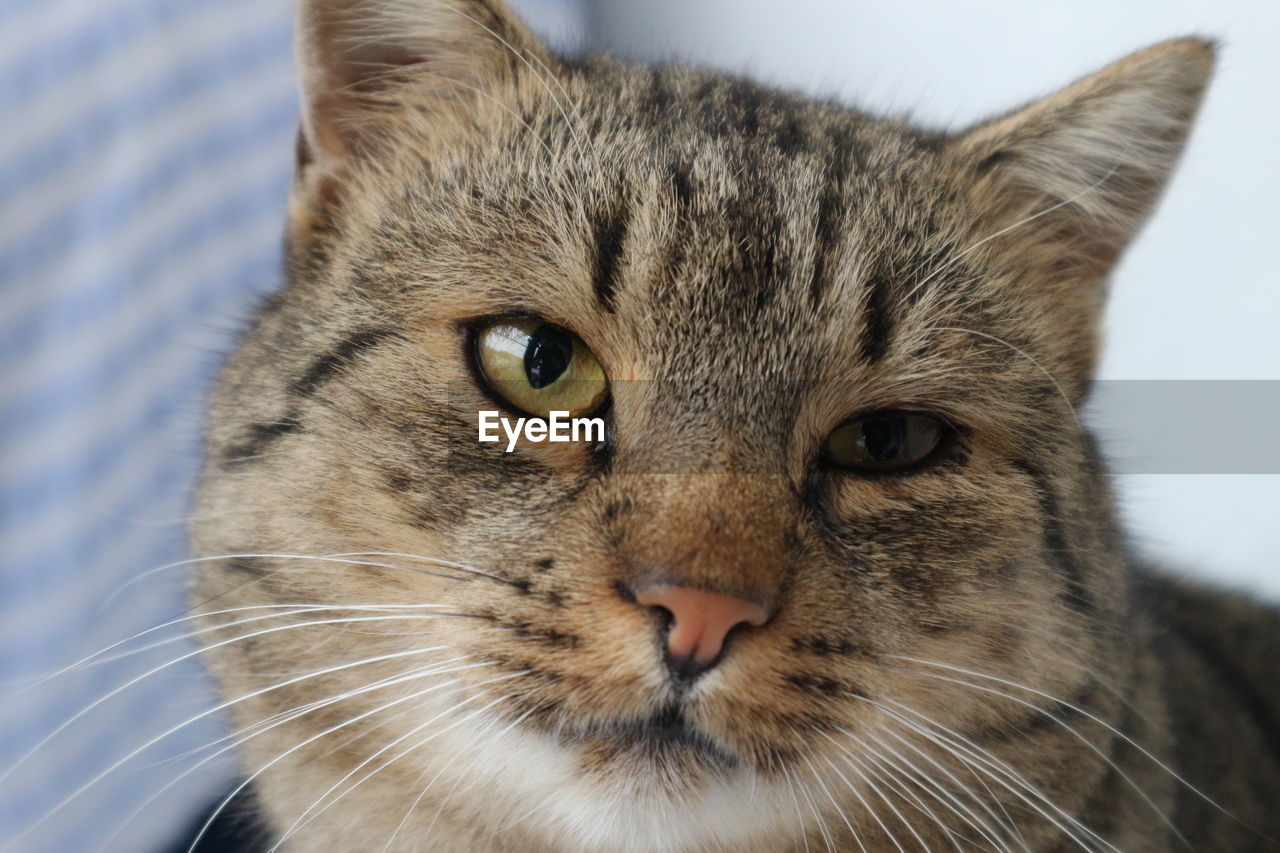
[1204, 612]
[1218, 642]
[1219, 653]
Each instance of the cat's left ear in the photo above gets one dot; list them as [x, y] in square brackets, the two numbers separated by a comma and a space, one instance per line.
[1082, 168]
[366, 66]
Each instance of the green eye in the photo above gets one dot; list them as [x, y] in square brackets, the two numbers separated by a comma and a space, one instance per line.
[884, 441]
[539, 368]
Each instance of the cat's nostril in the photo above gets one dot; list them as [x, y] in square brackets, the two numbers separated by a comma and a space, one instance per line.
[698, 621]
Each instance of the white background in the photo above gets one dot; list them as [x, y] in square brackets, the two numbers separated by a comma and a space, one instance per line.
[1197, 297]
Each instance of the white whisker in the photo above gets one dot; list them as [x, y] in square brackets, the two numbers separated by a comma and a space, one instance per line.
[247, 733]
[329, 558]
[239, 788]
[804, 835]
[865, 778]
[1082, 711]
[1000, 772]
[302, 819]
[1056, 384]
[1021, 222]
[939, 792]
[488, 727]
[133, 681]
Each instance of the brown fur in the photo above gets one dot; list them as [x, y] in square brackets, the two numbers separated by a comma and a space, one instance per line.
[751, 268]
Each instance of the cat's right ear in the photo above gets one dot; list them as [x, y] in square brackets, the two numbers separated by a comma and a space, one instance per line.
[367, 65]
[1084, 166]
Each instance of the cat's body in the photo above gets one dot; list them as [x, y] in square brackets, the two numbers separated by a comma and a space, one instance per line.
[468, 652]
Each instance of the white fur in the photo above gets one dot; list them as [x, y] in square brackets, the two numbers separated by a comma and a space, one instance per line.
[535, 780]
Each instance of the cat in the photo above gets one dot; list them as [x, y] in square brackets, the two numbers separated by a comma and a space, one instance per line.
[843, 572]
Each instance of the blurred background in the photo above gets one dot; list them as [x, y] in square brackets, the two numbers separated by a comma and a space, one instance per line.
[144, 167]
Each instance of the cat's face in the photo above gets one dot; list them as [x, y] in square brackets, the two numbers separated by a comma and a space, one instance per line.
[755, 275]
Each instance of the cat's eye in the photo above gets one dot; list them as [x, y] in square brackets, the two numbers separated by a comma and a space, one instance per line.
[539, 368]
[884, 441]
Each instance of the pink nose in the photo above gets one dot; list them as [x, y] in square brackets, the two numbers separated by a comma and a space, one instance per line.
[700, 621]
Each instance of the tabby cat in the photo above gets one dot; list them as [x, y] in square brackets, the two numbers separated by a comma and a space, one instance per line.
[843, 573]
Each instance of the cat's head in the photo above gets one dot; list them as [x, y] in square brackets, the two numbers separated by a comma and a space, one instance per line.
[838, 360]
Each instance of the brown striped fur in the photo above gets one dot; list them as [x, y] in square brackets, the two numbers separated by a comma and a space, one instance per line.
[752, 268]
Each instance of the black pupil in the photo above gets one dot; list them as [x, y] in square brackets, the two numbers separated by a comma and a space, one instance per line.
[884, 438]
[548, 356]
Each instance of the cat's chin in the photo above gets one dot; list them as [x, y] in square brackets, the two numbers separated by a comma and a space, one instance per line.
[658, 783]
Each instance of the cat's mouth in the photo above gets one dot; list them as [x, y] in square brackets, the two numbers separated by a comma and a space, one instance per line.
[663, 736]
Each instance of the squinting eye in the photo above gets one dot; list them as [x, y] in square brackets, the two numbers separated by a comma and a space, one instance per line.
[884, 441]
[539, 368]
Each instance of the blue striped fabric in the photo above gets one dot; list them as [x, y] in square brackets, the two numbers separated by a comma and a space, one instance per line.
[144, 168]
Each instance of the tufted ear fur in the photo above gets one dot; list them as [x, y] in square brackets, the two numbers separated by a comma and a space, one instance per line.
[364, 63]
[1089, 161]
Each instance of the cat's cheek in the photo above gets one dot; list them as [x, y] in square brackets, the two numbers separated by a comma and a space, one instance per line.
[932, 546]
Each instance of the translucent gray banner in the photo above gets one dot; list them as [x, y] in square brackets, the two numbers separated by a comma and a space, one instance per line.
[1142, 426]
[1187, 426]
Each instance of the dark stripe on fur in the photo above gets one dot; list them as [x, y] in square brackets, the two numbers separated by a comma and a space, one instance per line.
[1056, 716]
[682, 182]
[1055, 540]
[260, 435]
[320, 371]
[334, 362]
[1106, 790]
[610, 234]
[753, 222]
[876, 323]
[256, 567]
[829, 221]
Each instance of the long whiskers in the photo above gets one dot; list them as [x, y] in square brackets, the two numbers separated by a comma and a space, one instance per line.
[998, 771]
[253, 729]
[206, 713]
[1073, 707]
[131, 682]
[426, 788]
[101, 655]
[290, 610]
[1093, 747]
[827, 840]
[936, 790]
[800, 821]
[864, 773]
[867, 807]
[247, 733]
[303, 819]
[342, 558]
[326, 732]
